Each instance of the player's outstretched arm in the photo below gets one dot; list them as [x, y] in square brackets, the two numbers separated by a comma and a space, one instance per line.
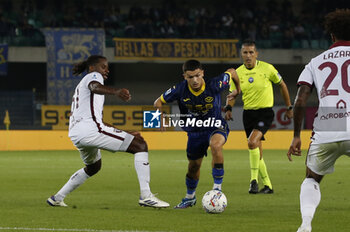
[98, 88]
[299, 111]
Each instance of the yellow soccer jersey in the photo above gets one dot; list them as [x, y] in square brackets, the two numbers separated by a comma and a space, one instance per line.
[256, 85]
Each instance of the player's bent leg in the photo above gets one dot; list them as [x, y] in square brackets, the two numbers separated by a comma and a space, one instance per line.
[91, 157]
[139, 148]
[310, 197]
[77, 179]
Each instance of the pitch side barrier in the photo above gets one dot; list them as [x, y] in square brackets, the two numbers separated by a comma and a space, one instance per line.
[32, 140]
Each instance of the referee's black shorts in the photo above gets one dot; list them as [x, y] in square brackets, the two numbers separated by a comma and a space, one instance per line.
[260, 119]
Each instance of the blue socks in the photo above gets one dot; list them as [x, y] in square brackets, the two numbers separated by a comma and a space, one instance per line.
[218, 175]
[191, 187]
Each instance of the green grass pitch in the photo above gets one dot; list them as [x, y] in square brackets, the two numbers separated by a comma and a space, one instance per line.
[109, 200]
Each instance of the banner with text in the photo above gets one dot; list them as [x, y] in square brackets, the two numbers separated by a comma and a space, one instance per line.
[122, 117]
[133, 117]
[176, 49]
[3, 59]
[66, 47]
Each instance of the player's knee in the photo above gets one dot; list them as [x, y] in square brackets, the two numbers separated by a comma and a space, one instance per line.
[92, 169]
[194, 168]
[252, 144]
[143, 147]
[216, 146]
[138, 145]
[311, 174]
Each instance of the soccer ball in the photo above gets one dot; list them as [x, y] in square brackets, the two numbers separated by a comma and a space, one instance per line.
[214, 201]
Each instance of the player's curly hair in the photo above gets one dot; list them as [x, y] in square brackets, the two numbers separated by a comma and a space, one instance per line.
[191, 65]
[338, 23]
[84, 65]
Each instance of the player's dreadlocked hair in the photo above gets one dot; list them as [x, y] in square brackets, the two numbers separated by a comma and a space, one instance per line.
[338, 24]
[191, 65]
[84, 65]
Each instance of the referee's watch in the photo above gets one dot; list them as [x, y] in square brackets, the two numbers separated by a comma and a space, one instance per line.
[290, 107]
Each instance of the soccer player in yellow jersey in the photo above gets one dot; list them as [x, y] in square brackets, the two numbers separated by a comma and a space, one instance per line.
[256, 78]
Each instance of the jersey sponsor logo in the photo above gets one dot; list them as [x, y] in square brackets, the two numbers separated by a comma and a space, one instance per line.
[186, 99]
[251, 79]
[209, 99]
[340, 115]
[151, 119]
[341, 104]
[197, 110]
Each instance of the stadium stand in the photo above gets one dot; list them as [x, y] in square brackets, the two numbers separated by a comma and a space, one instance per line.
[273, 24]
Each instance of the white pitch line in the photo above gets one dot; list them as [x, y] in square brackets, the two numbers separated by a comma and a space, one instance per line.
[72, 230]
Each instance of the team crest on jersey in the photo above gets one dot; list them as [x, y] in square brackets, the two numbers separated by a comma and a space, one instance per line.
[251, 79]
[226, 79]
[209, 99]
[168, 91]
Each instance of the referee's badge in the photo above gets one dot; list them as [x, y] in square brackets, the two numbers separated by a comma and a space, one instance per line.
[251, 79]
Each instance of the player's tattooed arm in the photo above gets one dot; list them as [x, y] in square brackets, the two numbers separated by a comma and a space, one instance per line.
[97, 88]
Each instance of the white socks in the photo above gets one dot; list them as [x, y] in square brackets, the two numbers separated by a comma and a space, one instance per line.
[217, 186]
[143, 173]
[190, 196]
[77, 179]
[142, 169]
[310, 197]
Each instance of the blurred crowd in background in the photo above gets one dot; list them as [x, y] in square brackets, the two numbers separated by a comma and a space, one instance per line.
[272, 23]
